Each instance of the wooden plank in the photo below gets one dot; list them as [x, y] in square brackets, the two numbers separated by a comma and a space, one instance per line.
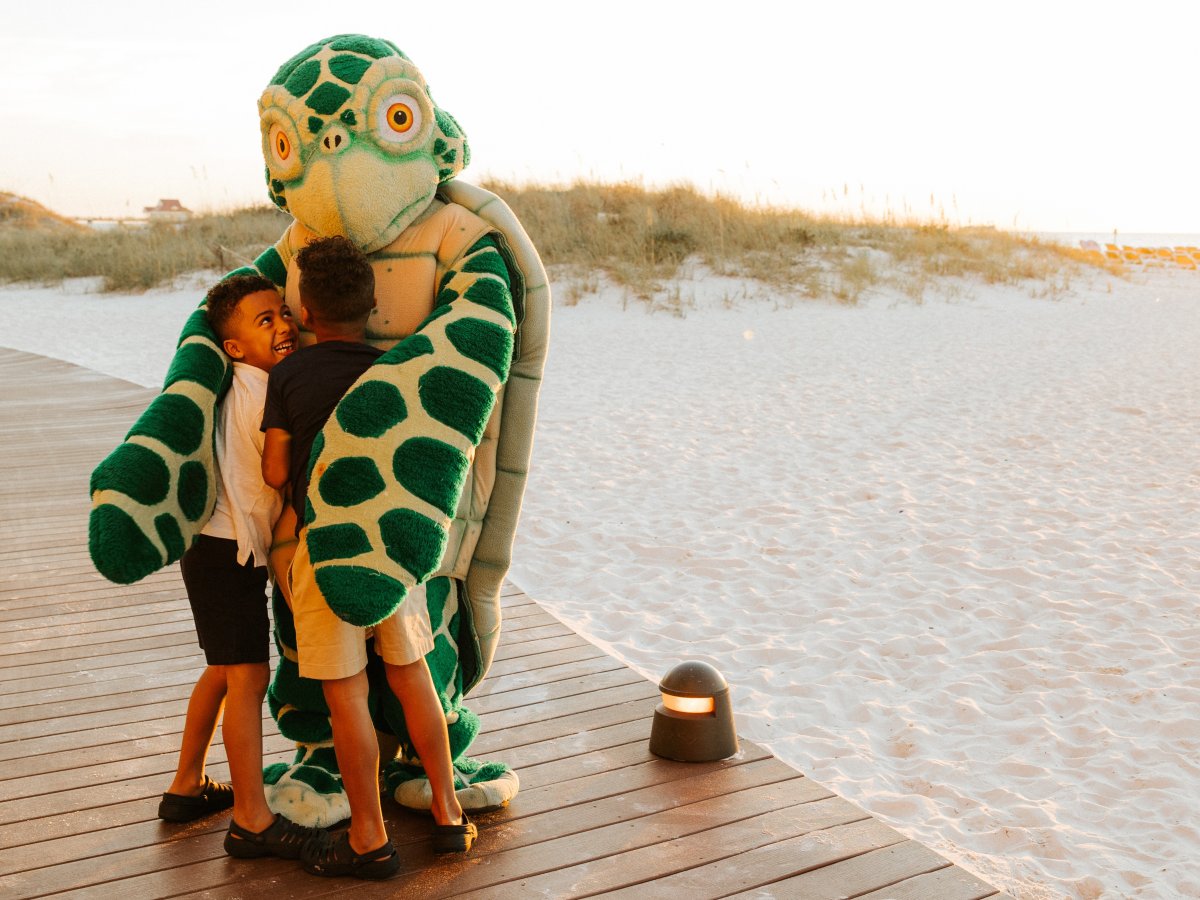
[85, 696]
[522, 717]
[950, 883]
[850, 877]
[184, 658]
[632, 764]
[575, 667]
[81, 657]
[84, 638]
[511, 614]
[59, 802]
[32, 776]
[536, 634]
[579, 746]
[532, 648]
[537, 662]
[201, 841]
[99, 737]
[101, 595]
[91, 691]
[77, 622]
[167, 688]
[572, 833]
[537, 694]
[721, 841]
[147, 650]
[38, 596]
[773, 862]
[567, 728]
[515, 627]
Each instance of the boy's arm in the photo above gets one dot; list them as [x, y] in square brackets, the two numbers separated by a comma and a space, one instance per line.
[276, 430]
[277, 447]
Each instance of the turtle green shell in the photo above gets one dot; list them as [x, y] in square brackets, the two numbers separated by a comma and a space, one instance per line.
[518, 411]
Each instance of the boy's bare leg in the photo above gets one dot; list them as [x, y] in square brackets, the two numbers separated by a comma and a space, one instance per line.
[413, 686]
[203, 712]
[357, 751]
[242, 731]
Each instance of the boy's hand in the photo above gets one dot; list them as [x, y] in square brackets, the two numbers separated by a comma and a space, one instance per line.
[283, 548]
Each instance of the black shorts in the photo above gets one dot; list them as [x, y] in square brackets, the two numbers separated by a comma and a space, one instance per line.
[229, 602]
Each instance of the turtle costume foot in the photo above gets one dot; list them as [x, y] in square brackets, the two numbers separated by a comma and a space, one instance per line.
[481, 787]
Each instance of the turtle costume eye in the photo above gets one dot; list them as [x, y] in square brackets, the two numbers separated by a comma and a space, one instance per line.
[281, 145]
[401, 115]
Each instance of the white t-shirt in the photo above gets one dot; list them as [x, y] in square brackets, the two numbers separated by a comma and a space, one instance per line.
[247, 506]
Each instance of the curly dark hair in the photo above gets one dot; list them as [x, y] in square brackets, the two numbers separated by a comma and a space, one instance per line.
[337, 283]
[221, 302]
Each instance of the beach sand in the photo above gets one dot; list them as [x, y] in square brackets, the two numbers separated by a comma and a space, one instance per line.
[945, 554]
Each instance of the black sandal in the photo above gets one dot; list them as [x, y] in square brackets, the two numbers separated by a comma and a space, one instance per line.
[282, 838]
[333, 856]
[454, 838]
[214, 796]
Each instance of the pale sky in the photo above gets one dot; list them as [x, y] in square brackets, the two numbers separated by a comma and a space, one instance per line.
[1047, 116]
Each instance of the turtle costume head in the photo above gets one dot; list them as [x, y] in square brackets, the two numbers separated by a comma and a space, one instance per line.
[353, 142]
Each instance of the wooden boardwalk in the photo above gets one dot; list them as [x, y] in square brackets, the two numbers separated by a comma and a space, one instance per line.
[94, 680]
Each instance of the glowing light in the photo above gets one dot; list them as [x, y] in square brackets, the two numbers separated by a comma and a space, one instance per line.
[688, 704]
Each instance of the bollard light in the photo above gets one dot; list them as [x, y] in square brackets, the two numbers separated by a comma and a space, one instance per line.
[694, 723]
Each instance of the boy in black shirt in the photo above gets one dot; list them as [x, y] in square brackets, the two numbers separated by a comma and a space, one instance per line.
[337, 295]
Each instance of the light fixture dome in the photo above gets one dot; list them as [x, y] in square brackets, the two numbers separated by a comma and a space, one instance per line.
[694, 723]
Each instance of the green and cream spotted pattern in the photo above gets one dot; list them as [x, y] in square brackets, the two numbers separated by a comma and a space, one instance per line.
[418, 475]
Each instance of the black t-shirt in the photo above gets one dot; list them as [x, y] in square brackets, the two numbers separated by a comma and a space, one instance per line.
[302, 391]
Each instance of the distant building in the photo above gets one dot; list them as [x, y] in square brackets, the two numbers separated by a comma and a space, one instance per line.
[168, 210]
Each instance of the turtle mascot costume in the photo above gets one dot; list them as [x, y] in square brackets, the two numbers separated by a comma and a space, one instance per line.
[420, 471]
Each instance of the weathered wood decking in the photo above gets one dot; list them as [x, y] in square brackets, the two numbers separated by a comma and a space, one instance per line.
[94, 680]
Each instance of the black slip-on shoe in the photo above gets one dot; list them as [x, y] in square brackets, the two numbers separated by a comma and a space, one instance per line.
[333, 856]
[454, 838]
[213, 797]
[282, 838]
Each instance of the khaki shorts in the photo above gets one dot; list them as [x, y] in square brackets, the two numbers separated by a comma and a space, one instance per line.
[330, 648]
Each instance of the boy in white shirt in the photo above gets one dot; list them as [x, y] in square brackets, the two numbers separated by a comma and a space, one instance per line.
[225, 573]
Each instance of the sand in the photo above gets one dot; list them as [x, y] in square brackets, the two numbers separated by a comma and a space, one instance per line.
[945, 554]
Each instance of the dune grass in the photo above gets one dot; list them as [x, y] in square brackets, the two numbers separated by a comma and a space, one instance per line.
[134, 259]
[640, 238]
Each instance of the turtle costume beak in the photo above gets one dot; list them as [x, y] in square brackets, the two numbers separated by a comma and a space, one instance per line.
[353, 142]
[362, 197]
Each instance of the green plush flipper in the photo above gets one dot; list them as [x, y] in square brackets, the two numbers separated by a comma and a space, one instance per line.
[390, 464]
[153, 494]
